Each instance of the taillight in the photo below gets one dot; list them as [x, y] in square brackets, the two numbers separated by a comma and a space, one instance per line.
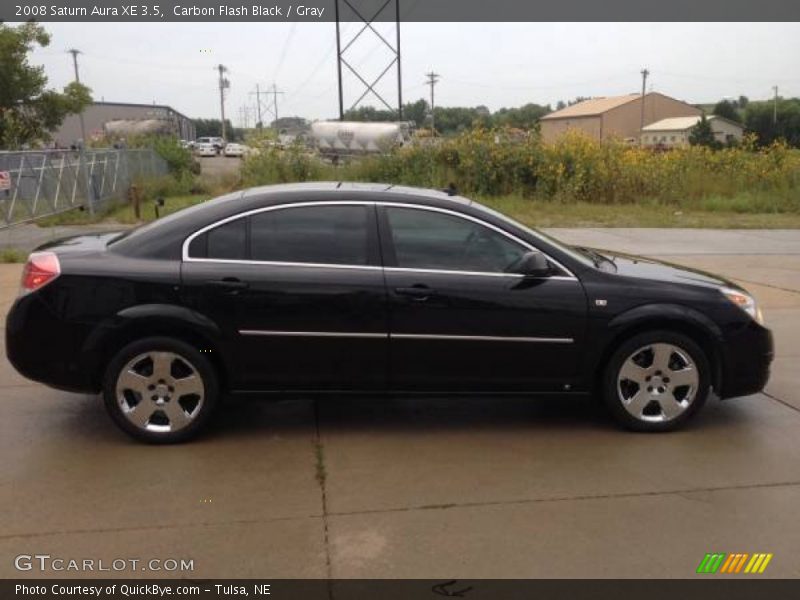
[41, 269]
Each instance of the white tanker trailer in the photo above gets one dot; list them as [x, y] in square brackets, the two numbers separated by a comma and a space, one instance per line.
[343, 138]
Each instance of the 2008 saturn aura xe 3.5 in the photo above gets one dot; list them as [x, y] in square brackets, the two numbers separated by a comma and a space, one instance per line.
[366, 288]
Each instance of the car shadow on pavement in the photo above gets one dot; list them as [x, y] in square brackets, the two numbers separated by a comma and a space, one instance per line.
[84, 417]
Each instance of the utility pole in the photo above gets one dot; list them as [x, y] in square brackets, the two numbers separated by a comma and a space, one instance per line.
[433, 79]
[75, 52]
[87, 180]
[645, 73]
[223, 84]
[775, 106]
[275, 93]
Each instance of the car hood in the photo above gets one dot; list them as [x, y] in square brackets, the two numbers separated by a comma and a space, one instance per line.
[630, 265]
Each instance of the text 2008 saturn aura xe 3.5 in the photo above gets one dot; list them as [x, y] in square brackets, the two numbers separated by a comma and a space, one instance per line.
[371, 288]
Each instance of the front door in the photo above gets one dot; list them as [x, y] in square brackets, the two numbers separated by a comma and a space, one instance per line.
[298, 292]
[459, 321]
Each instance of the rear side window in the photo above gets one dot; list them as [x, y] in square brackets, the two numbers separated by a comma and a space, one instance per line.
[311, 234]
[227, 241]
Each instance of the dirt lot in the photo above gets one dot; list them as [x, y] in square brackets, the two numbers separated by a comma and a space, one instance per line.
[425, 488]
[218, 166]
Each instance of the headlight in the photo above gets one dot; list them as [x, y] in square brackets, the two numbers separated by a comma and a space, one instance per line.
[744, 301]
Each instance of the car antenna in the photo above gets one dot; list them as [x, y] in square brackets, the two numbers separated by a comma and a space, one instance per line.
[451, 190]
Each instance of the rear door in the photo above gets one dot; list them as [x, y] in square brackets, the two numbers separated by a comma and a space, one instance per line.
[459, 321]
[298, 293]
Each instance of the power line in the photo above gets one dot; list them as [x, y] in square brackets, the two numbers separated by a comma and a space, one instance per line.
[284, 50]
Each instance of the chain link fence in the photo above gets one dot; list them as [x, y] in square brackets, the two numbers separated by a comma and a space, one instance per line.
[35, 184]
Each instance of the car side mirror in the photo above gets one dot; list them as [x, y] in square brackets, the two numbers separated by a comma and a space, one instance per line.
[533, 264]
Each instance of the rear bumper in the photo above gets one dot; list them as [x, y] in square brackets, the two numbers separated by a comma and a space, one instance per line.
[746, 359]
[47, 350]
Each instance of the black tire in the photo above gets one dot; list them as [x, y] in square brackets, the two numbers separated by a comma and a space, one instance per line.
[192, 372]
[614, 390]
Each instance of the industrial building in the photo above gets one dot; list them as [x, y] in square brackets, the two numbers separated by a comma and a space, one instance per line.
[671, 133]
[162, 119]
[617, 117]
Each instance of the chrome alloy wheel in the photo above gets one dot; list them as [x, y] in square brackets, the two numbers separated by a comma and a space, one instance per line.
[658, 382]
[161, 392]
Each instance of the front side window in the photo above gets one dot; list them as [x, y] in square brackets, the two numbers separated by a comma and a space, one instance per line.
[426, 239]
[311, 234]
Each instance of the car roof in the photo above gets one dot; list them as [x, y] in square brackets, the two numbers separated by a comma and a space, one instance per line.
[345, 189]
[164, 236]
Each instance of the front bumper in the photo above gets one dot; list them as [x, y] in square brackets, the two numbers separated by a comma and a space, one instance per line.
[746, 359]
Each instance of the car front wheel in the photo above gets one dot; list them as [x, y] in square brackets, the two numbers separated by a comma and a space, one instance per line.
[160, 390]
[656, 381]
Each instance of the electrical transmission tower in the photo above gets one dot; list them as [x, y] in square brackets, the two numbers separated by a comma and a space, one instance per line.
[257, 94]
[273, 108]
[394, 49]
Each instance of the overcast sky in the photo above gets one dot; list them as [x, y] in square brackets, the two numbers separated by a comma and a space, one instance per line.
[494, 64]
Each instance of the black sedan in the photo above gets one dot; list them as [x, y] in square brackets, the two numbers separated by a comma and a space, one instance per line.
[367, 288]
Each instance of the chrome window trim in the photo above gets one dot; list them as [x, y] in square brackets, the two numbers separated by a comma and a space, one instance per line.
[185, 248]
[405, 336]
[275, 263]
[186, 258]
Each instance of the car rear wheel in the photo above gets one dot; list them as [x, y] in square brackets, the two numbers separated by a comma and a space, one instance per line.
[160, 390]
[656, 381]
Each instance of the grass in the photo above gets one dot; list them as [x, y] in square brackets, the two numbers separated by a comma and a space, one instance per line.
[12, 255]
[123, 213]
[583, 214]
[712, 213]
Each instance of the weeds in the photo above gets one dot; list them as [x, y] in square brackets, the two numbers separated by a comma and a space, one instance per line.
[574, 169]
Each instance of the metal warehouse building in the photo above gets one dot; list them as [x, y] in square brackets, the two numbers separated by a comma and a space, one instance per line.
[99, 113]
[615, 116]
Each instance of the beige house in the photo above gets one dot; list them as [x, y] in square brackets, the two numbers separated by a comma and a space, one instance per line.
[617, 117]
[670, 133]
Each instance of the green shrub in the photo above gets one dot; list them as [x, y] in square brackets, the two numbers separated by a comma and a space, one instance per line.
[573, 169]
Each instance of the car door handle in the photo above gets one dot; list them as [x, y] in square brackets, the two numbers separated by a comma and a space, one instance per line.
[418, 293]
[228, 283]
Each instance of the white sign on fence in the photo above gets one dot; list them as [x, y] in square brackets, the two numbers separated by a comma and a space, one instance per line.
[5, 180]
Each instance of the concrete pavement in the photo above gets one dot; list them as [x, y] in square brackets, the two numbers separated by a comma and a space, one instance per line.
[425, 488]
